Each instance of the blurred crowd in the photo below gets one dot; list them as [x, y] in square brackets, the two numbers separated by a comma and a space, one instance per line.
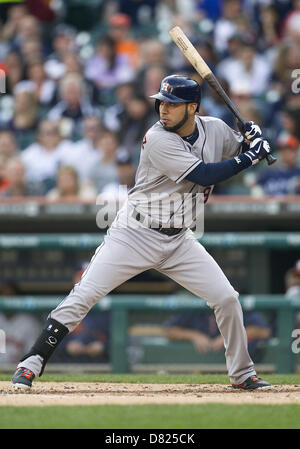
[75, 80]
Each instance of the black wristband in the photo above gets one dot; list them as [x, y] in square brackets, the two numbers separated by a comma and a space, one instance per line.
[243, 161]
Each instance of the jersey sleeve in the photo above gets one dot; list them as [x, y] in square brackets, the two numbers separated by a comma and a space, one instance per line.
[232, 141]
[168, 155]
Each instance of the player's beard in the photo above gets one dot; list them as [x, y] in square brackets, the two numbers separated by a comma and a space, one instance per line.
[179, 124]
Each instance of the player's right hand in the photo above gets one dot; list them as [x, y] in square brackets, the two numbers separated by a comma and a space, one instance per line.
[251, 131]
[258, 150]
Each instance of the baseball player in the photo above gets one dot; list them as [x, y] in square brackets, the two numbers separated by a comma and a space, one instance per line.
[181, 154]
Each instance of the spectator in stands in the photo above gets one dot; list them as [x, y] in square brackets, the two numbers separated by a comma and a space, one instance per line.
[240, 89]
[28, 32]
[152, 54]
[73, 64]
[85, 152]
[287, 59]
[89, 342]
[152, 80]
[8, 144]
[284, 178]
[126, 170]
[207, 51]
[113, 114]
[29, 27]
[292, 290]
[290, 119]
[215, 106]
[120, 32]
[292, 282]
[282, 7]
[105, 170]
[291, 25]
[18, 186]
[41, 159]
[176, 61]
[245, 27]
[31, 49]
[234, 45]
[106, 68]
[19, 328]
[247, 106]
[269, 26]
[292, 101]
[4, 183]
[19, 27]
[292, 286]
[138, 116]
[43, 87]
[25, 116]
[14, 69]
[201, 330]
[68, 187]
[63, 42]
[225, 25]
[74, 104]
[15, 16]
[250, 67]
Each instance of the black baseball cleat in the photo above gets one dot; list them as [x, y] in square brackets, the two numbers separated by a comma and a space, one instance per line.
[253, 383]
[22, 379]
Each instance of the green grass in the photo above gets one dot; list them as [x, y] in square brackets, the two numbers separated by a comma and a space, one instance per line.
[176, 416]
[290, 379]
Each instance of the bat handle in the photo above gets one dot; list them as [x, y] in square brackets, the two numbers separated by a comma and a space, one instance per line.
[270, 158]
[214, 83]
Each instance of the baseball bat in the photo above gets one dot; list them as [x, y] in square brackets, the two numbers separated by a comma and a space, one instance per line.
[190, 52]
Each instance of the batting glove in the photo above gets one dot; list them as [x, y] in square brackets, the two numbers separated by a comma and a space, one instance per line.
[251, 131]
[258, 150]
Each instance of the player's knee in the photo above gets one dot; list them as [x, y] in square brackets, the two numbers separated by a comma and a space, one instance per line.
[90, 292]
[229, 300]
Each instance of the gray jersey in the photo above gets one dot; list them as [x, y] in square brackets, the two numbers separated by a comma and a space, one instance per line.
[165, 161]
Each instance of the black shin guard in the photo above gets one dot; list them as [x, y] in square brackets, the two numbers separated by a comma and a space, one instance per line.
[47, 342]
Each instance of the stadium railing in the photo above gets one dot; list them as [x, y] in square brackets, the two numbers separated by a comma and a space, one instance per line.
[286, 348]
[258, 240]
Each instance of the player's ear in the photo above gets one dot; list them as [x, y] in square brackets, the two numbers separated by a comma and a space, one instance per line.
[192, 108]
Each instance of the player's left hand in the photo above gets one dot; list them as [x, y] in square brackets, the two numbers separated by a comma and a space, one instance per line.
[251, 131]
[258, 150]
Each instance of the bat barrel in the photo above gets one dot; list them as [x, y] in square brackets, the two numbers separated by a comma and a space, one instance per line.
[190, 52]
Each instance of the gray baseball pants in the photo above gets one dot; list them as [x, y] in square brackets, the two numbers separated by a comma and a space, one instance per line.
[126, 252]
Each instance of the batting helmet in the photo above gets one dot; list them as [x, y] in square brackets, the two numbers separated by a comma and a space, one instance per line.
[178, 89]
